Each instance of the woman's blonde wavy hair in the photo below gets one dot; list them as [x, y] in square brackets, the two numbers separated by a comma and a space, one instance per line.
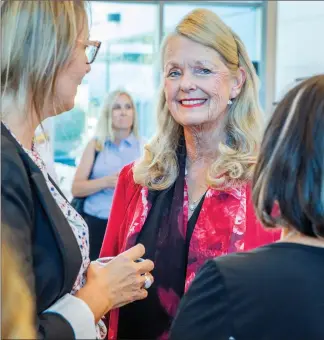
[38, 40]
[158, 169]
[104, 129]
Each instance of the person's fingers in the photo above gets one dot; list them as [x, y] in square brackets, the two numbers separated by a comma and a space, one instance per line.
[134, 253]
[144, 278]
[139, 295]
[144, 266]
[94, 264]
[142, 294]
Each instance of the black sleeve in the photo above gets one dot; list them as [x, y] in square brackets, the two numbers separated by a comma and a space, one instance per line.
[204, 310]
[17, 211]
[54, 326]
[17, 214]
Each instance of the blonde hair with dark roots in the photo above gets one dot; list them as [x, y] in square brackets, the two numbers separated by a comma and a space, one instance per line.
[158, 169]
[38, 39]
[104, 128]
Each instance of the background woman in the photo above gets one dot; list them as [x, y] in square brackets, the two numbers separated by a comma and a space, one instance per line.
[43, 60]
[116, 143]
[189, 198]
[274, 292]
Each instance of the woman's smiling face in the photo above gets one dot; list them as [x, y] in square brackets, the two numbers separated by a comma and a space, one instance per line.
[197, 83]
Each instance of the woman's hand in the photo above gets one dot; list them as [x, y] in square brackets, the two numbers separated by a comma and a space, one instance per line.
[117, 283]
[110, 181]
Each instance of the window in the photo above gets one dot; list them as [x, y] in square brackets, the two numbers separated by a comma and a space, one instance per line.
[245, 20]
[129, 42]
[300, 49]
[125, 60]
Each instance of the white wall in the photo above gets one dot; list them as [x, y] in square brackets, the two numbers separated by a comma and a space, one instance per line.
[300, 42]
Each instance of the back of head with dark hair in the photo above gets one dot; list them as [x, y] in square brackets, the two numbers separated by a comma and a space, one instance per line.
[290, 170]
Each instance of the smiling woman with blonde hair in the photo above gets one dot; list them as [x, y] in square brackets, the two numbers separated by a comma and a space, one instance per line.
[115, 144]
[189, 198]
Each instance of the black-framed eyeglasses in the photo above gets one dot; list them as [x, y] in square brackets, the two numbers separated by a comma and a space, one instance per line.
[92, 48]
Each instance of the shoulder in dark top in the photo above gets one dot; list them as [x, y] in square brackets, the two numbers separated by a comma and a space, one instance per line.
[274, 292]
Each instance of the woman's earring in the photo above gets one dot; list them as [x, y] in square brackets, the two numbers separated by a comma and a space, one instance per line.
[229, 102]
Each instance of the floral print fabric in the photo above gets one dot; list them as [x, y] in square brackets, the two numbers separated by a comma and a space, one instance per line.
[226, 223]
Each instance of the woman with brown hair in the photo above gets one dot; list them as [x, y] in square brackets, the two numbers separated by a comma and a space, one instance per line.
[45, 53]
[276, 291]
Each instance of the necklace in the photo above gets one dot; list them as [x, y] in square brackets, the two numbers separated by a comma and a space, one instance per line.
[193, 205]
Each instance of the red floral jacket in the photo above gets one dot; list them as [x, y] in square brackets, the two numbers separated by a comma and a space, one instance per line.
[226, 224]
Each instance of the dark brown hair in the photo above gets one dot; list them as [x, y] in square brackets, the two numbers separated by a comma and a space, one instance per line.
[288, 183]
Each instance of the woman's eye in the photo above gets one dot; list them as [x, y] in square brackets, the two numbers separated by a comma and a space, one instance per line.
[203, 71]
[173, 74]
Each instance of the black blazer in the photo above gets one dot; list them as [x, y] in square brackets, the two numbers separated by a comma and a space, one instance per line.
[41, 234]
[274, 292]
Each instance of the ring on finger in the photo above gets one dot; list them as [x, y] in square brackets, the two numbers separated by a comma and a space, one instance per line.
[148, 282]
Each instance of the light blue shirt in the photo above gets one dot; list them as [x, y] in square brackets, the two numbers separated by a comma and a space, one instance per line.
[110, 161]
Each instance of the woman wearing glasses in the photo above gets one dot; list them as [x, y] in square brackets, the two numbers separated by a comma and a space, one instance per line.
[41, 68]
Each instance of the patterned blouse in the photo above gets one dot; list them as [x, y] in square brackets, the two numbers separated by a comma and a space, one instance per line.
[226, 224]
[76, 222]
